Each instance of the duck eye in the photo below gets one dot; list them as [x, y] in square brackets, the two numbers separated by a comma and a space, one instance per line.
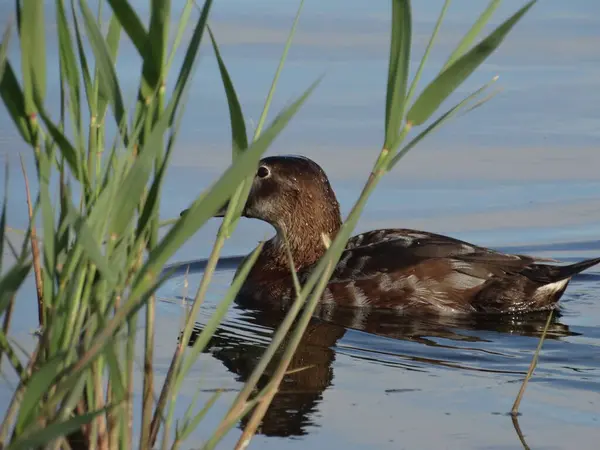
[263, 172]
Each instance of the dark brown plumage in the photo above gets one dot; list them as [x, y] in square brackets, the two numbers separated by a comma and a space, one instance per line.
[400, 269]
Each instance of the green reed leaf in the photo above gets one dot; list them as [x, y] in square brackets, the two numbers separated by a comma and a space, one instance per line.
[37, 387]
[14, 100]
[68, 64]
[438, 122]
[106, 70]
[85, 71]
[48, 243]
[158, 37]
[11, 282]
[4, 48]
[468, 39]
[131, 190]
[190, 55]
[89, 243]
[67, 150]
[192, 422]
[239, 138]
[131, 23]
[33, 52]
[3, 215]
[286, 48]
[447, 81]
[436, 29]
[113, 37]
[207, 205]
[398, 69]
[54, 430]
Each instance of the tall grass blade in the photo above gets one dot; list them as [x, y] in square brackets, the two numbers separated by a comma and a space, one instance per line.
[33, 54]
[239, 138]
[269, 99]
[11, 281]
[89, 243]
[3, 217]
[37, 387]
[67, 150]
[132, 24]
[4, 49]
[14, 100]
[69, 70]
[468, 39]
[85, 71]
[447, 81]
[113, 38]
[436, 29]
[109, 82]
[190, 55]
[397, 70]
[54, 431]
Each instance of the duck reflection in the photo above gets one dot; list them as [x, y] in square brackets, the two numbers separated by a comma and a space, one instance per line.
[311, 370]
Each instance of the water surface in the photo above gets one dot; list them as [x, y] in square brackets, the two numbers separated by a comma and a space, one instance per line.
[519, 174]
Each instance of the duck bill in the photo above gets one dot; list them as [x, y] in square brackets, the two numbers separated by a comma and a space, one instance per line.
[220, 212]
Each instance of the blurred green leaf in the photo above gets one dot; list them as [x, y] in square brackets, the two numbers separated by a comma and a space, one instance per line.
[399, 64]
[436, 29]
[11, 93]
[89, 243]
[158, 37]
[113, 37]
[12, 281]
[107, 75]
[188, 64]
[131, 23]
[4, 48]
[3, 217]
[131, 190]
[33, 54]
[54, 430]
[68, 64]
[447, 81]
[468, 39]
[268, 100]
[37, 387]
[85, 71]
[239, 138]
[65, 147]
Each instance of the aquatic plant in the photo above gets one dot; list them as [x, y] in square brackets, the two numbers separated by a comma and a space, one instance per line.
[100, 259]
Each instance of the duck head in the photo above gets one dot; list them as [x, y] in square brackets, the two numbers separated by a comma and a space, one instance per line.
[293, 194]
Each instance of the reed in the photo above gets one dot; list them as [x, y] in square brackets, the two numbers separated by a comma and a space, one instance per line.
[101, 259]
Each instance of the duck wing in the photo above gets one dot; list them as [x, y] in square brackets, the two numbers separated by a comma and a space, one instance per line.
[392, 250]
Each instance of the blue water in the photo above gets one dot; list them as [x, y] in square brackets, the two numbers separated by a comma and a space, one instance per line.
[520, 174]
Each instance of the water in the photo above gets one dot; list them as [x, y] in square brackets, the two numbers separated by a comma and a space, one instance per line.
[520, 174]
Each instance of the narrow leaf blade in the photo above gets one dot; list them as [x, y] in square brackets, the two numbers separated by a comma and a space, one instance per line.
[447, 81]
[398, 69]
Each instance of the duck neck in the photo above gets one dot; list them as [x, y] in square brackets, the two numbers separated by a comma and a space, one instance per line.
[304, 236]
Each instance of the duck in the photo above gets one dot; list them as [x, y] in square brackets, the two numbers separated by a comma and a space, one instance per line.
[397, 269]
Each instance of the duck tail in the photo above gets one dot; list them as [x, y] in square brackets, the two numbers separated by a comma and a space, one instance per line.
[551, 274]
[574, 269]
